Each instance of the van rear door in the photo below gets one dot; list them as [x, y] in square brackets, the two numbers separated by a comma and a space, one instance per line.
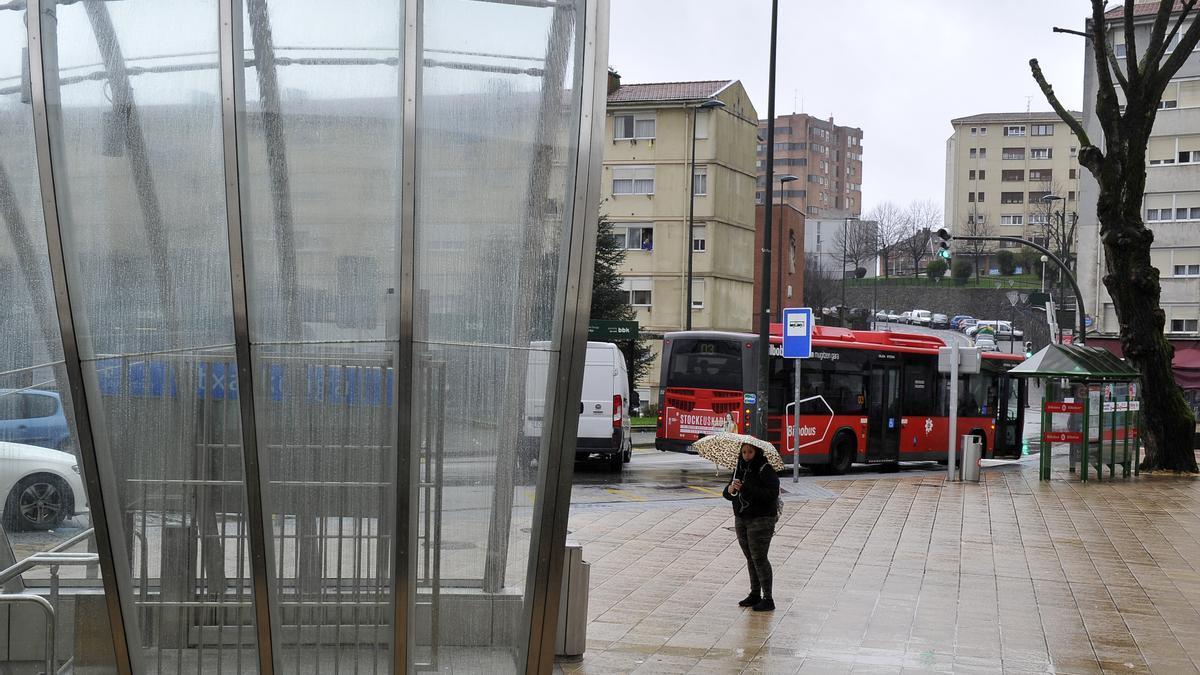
[595, 419]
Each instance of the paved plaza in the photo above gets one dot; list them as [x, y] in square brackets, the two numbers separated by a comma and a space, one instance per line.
[906, 574]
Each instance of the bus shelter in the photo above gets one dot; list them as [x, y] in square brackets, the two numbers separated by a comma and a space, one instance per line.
[1091, 403]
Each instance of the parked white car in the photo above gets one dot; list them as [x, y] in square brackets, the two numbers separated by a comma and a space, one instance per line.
[42, 487]
[921, 317]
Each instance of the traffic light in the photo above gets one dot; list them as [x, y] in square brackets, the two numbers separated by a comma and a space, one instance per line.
[943, 251]
[1028, 349]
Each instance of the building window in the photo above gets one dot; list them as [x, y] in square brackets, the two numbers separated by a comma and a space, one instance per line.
[1012, 198]
[1013, 153]
[639, 289]
[1037, 153]
[1119, 50]
[1037, 197]
[1010, 175]
[639, 237]
[983, 131]
[1187, 270]
[699, 238]
[971, 174]
[1189, 156]
[983, 174]
[1185, 325]
[1071, 174]
[1074, 151]
[1039, 218]
[970, 197]
[1041, 174]
[697, 294]
[1154, 214]
[1070, 195]
[633, 126]
[633, 180]
[1041, 130]
[1168, 105]
[1011, 220]
[1014, 130]
[700, 180]
[979, 197]
[983, 153]
[974, 153]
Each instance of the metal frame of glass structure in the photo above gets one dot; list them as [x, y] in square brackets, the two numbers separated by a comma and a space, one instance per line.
[570, 120]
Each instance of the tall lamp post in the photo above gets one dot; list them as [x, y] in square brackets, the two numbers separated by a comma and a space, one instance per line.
[1044, 261]
[764, 295]
[845, 236]
[706, 105]
[785, 178]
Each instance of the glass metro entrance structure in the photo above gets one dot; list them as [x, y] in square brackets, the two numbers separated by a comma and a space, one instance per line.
[272, 274]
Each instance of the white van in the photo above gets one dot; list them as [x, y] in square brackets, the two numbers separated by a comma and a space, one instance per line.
[604, 423]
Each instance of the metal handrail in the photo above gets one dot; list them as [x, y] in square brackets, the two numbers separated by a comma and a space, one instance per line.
[50, 622]
[47, 558]
[72, 541]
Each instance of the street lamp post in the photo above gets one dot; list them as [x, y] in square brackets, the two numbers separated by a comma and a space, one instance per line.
[1044, 261]
[764, 296]
[709, 104]
[785, 178]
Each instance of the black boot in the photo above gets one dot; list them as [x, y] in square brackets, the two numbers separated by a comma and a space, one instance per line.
[765, 605]
[751, 600]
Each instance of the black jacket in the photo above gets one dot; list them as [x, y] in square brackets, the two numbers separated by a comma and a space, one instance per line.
[760, 489]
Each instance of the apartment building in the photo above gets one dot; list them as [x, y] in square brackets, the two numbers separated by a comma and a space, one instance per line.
[1172, 198]
[825, 158]
[1001, 167]
[786, 285]
[648, 183]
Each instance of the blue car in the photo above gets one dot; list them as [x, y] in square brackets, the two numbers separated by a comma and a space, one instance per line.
[957, 318]
[33, 417]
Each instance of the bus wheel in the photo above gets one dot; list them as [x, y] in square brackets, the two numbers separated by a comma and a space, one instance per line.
[842, 455]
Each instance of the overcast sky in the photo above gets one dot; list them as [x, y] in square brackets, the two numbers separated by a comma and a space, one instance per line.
[900, 70]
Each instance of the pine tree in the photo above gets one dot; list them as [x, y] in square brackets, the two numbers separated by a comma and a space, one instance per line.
[611, 303]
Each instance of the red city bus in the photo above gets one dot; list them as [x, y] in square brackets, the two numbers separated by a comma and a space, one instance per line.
[866, 396]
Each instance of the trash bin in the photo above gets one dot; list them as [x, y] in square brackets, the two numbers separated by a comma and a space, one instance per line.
[571, 637]
[972, 451]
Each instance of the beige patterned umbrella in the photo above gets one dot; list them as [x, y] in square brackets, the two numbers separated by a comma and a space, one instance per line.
[724, 449]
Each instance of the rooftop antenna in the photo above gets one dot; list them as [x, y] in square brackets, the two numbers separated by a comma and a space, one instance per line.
[1028, 103]
[795, 97]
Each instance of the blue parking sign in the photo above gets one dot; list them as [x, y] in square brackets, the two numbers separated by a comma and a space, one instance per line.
[797, 332]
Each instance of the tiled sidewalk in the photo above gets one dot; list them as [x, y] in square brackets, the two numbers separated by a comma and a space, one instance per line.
[912, 575]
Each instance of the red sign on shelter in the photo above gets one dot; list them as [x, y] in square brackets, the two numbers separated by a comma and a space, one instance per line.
[1059, 407]
[1063, 436]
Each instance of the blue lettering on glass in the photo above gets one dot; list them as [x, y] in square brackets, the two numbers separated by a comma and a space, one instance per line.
[891, 423]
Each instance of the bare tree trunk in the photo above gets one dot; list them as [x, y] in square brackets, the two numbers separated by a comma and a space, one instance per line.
[1132, 281]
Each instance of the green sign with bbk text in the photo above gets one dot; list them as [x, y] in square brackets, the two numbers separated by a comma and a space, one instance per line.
[612, 330]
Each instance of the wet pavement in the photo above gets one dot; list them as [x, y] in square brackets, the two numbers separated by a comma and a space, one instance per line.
[906, 573]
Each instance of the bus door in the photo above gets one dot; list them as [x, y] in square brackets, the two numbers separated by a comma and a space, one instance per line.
[1010, 416]
[883, 413]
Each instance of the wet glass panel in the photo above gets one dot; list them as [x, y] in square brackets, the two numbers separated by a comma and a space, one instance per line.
[497, 115]
[43, 503]
[136, 135]
[321, 201]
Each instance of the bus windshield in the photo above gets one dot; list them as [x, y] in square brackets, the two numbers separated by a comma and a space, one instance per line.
[705, 364]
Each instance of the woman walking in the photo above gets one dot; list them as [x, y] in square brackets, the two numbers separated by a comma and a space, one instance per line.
[754, 492]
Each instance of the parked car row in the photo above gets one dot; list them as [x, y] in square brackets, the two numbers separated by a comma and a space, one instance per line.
[991, 330]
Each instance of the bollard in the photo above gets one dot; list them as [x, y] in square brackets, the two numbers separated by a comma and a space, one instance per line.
[972, 452]
[571, 638]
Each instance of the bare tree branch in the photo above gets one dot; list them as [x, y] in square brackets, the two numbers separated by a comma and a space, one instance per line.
[1065, 114]
[1154, 47]
[1116, 66]
[1131, 63]
[1186, 44]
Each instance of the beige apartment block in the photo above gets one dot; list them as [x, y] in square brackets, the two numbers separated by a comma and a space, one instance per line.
[647, 185]
[999, 166]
